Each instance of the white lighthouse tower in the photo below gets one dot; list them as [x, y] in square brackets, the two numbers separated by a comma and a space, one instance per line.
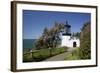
[66, 38]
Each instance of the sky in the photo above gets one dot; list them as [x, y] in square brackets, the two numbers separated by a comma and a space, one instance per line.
[35, 21]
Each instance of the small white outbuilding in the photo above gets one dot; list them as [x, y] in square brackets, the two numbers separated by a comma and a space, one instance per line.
[67, 41]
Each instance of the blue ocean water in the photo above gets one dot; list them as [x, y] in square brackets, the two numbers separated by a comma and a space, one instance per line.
[28, 43]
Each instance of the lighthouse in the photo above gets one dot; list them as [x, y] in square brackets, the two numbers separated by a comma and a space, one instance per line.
[66, 37]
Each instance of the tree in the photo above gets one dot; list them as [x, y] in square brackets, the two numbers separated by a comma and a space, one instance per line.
[39, 43]
[50, 38]
[85, 42]
[76, 35]
[45, 37]
[58, 29]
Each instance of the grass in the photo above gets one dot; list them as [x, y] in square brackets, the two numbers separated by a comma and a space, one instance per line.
[74, 55]
[42, 54]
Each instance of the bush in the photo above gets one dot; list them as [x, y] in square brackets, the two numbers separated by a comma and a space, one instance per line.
[42, 54]
[27, 58]
[74, 55]
[85, 43]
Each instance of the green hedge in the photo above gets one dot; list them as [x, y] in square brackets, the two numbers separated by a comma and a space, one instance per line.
[42, 54]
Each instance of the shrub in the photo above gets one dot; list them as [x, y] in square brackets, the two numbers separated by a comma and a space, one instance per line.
[42, 54]
[74, 55]
[85, 42]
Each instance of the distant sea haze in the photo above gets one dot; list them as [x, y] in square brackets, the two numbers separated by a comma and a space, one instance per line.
[28, 44]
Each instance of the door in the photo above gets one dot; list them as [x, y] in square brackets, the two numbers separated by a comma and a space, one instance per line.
[74, 44]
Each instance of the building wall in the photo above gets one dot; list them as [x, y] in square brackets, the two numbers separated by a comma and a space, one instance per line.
[67, 41]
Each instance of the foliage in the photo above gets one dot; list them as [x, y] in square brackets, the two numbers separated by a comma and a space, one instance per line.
[50, 37]
[85, 42]
[42, 54]
[74, 55]
[85, 25]
[77, 35]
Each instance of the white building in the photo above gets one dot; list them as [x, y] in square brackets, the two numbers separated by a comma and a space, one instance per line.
[67, 40]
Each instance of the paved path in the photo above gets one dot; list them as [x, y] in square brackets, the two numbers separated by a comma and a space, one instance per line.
[60, 56]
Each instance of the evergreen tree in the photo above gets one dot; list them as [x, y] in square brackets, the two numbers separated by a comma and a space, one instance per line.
[85, 42]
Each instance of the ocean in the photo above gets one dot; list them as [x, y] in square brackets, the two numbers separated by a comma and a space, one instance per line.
[28, 44]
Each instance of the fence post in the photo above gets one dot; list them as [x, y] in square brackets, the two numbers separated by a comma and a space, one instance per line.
[32, 53]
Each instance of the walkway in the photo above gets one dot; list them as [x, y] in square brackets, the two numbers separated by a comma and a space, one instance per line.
[60, 56]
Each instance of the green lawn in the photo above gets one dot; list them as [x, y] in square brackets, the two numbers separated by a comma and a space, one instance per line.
[42, 54]
[74, 55]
